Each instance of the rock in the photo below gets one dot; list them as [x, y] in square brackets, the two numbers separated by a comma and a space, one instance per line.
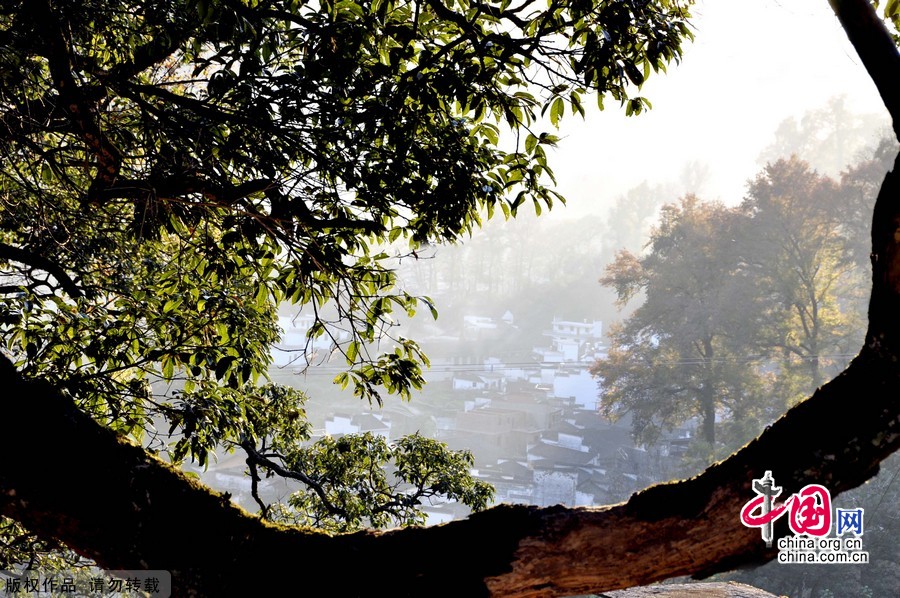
[691, 590]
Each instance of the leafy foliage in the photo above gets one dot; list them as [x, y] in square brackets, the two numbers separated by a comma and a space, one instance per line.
[830, 138]
[20, 547]
[676, 356]
[740, 305]
[171, 171]
[802, 250]
[891, 14]
[362, 480]
[354, 481]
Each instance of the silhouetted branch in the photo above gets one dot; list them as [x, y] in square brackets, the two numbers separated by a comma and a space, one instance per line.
[876, 49]
[17, 254]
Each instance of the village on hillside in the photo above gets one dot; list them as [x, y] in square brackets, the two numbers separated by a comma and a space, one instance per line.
[529, 417]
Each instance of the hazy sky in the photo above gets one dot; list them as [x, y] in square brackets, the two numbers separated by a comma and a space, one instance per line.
[752, 65]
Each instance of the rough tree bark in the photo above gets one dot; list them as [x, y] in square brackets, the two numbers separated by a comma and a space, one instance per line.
[66, 477]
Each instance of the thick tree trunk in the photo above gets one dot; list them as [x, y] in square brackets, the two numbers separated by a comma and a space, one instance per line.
[708, 414]
[66, 477]
[707, 395]
[112, 502]
[876, 49]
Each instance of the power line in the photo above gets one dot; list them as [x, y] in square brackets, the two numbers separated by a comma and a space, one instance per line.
[323, 370]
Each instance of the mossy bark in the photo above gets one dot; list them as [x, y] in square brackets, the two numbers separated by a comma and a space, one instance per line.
[66, 477]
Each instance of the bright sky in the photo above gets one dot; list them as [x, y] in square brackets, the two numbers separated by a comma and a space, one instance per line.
[752, 65]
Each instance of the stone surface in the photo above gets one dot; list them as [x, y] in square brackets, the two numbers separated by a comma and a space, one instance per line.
[691, 590]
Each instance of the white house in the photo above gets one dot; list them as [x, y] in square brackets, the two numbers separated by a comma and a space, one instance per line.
[578, 385]
[572, 342]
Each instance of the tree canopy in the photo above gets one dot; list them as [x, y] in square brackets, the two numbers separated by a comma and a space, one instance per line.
[672, 358]
[744, 311]
[173, 170]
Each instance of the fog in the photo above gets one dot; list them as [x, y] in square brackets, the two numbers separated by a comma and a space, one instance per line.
[752, 65]
[761, 81]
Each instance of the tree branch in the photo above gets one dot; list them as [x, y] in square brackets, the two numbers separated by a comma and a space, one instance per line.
[256, 458]
[143, 514]
[155, 51]
[876, 49]
[17, 254]
[72, 96]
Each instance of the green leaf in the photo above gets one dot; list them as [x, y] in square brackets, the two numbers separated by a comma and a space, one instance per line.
[46, 173]
[557, 111]
[892, 9]
[223, 157]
